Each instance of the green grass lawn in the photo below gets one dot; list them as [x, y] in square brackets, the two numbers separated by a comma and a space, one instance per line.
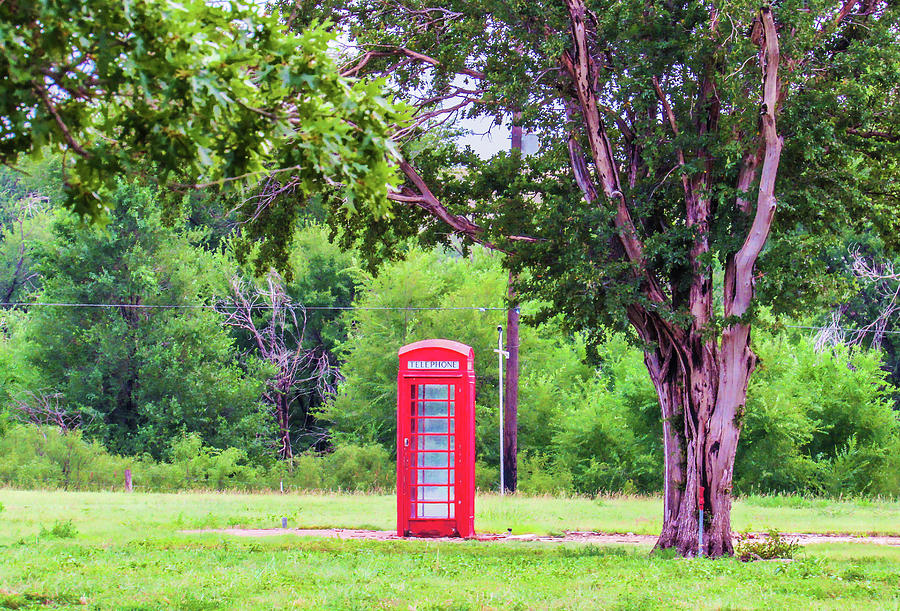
[126, 553]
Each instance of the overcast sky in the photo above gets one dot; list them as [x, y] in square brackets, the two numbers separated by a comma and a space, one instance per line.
[485, 144]
[487, 140]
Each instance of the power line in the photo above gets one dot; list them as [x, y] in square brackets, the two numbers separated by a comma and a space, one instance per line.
[233, 307]
[337, 308]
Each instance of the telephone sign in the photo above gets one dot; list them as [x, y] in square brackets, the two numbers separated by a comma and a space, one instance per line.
[433, 365]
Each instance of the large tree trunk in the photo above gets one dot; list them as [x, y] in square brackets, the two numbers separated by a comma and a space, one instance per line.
[702, 388]
[701, 382]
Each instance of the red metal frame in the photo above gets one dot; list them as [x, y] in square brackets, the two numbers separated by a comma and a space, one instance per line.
[436, 440]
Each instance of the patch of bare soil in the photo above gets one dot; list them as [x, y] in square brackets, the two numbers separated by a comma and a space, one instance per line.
[568, 537]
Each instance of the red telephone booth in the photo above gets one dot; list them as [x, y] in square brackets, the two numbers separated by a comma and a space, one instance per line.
[436, 440]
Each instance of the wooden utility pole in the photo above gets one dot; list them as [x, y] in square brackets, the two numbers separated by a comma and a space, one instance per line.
[511, 390]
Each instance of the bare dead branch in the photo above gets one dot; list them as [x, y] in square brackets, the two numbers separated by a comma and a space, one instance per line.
[278, 327]
[357, 65]
[43, 409]
[884, 279]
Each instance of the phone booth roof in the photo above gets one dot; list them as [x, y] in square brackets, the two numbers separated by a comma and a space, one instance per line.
[432, 352]
[446, 344]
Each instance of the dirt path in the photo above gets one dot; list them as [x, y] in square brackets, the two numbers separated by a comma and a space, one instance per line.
[569, 537]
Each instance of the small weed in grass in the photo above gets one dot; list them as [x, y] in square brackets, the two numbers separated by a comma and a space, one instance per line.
[35, 600]
[854, 573]
[772, 545]
[60, 530]
[808, 568]
[667, 553]
[589, 551]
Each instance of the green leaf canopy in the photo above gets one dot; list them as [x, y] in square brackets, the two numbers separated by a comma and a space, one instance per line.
[188, 92]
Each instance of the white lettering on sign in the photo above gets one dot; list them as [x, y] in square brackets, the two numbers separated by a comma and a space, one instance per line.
[433, 364]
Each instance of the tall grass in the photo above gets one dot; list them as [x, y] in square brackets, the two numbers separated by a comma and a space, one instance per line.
[47, 458]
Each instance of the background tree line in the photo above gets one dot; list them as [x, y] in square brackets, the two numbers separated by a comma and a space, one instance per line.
[186, 399]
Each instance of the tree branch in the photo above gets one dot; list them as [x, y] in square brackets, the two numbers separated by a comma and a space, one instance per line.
[354, 69]
[427, 201]
[42, 92]
[685, 181]
[580, 66]
[737, 301]
[874, 135]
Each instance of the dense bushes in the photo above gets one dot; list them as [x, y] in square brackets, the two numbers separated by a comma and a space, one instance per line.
[33, 457]
[815, 423]
[609, 435]
[818, 423]
[44, 457]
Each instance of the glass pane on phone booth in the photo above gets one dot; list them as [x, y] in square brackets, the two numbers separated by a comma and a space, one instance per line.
[434, 460]
[434, 425]
[436, 392]
[434, 400]
[432, 443]
[435, 476]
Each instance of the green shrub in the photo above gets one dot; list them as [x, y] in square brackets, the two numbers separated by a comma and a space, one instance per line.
[304, 472]
[487, 477]
[45, 457]
[859, 469]
[772, 545]
[202, 466]
[60, 530]
[818, 422]
[359, 467]
[539, 474]
[609, 436]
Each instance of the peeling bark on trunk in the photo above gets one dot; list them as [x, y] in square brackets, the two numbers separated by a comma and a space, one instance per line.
[701, 395]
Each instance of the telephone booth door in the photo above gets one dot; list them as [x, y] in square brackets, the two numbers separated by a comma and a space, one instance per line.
[435, 440]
